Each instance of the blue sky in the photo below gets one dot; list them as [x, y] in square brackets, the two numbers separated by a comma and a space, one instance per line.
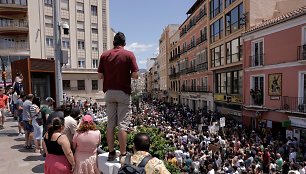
[143, 21]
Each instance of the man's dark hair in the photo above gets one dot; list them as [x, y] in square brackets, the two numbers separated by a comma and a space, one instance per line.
[142, 142]
[29, 96]
[75, 112]
[119, 39]
[67, 111]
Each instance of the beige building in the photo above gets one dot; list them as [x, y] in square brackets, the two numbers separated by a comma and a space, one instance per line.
[163, 60]
[28, 32]
[174, 77]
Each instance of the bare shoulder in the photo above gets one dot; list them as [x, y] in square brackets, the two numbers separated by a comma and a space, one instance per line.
[62, 139]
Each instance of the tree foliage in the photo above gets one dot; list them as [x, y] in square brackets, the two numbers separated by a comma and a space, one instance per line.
[160, 146]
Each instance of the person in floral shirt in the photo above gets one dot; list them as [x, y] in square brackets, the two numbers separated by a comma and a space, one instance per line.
[141, 150]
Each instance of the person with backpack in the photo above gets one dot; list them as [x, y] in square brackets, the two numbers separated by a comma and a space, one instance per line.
[141, 162]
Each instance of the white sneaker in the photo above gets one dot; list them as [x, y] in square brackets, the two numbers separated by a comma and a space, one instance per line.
[20, 134]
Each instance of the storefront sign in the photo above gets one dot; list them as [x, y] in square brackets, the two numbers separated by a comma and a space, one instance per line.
[219, 97]
[269, 124]
[298, 122]
[286, 123]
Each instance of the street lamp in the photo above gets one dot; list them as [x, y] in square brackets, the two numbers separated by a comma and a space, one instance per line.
[58, 51]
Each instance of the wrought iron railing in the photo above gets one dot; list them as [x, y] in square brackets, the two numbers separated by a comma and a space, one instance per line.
[293, 104]
[301, 52]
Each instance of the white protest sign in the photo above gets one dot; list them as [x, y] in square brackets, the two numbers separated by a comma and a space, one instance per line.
[222, 122]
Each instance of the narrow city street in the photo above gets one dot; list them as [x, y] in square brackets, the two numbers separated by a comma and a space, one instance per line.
[14, 158]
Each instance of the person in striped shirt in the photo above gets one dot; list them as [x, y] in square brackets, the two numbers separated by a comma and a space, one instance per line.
[38, 127]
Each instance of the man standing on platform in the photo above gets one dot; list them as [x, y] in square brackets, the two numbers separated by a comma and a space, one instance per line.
[117, 67]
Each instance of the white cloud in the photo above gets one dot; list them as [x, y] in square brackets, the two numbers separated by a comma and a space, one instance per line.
[137, 47]
[142, 62]
[156, 53]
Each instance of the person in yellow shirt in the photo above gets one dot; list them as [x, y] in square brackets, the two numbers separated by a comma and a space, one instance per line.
[141, 150]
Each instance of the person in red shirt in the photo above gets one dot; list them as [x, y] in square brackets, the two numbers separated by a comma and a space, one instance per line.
[117, 66]
[4, 107]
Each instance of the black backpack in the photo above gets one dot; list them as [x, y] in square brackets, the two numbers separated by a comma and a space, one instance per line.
[128, 168]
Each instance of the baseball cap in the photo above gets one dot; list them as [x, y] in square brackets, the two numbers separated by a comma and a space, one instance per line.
[87, 118]
[48, 99]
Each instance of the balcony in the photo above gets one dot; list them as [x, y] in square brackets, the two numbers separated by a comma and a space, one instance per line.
[13, 7]
[201, 39]
[182, 51]
[294, 104]
[257, 97]
[16, 48]
[201, 14]
[183, 32]
[202, 67]
[204, 89]
[301, 52]
[191, 70]
[175, 57]
[13, 27]
[257, 60]
[191, 46]
[174, 75]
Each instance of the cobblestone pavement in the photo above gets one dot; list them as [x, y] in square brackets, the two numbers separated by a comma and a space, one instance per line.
[14, 158]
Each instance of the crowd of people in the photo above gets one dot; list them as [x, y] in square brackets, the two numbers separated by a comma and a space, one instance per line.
[233, 149]
[67, 136]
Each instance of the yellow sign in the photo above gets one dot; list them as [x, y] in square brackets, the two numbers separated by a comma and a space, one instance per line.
[219, 97]
[236, 99]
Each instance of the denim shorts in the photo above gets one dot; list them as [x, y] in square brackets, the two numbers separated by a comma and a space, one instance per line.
[28, 127]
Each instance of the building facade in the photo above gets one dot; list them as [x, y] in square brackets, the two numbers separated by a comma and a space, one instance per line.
[227, 20]
[163, 60]
[274, 74]
[174, 75]
[88, 37]
[195, 76]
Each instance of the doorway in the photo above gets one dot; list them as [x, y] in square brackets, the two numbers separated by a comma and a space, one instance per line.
[41, 85]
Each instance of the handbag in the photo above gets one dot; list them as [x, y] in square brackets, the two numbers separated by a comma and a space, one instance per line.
[39, 121]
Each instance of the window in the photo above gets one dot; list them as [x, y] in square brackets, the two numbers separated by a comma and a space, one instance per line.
[95, 63]
[229, 82]
[257, 53]
[215, 8]
[49, 21]
[217, 56]
[66, 85]
[229, 2]
[94, 30]
[203, 34]
[94, 85]
[216, 30]
[48, 2]
[81, 44]
[257, 90]
[81, 63]
[204, 83]
[94, 10]
[81, 84]
[65, 4]
[233, 51]
[94, 46]
[80, 7]
[104, 46]
[23, 2]
[234, 19]
[80, 26]
[49, 42]
[65, 43]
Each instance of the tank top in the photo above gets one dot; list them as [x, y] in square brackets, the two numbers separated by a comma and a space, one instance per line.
[53, 147]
